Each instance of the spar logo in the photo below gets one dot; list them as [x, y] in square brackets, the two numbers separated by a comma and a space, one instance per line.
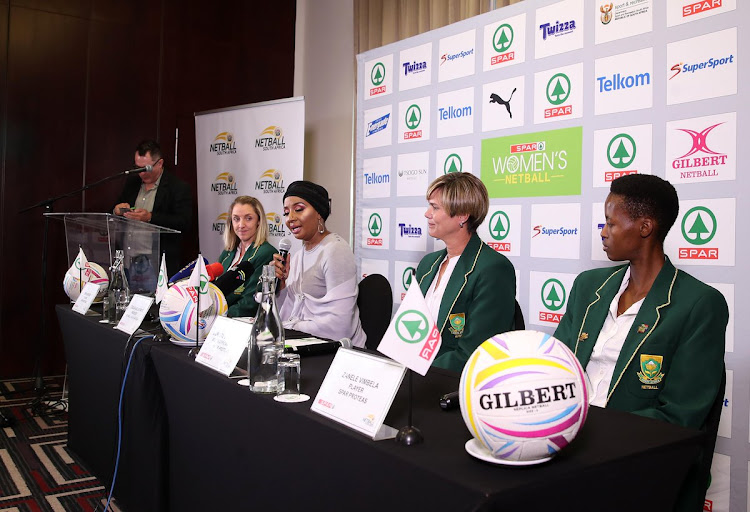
[499, 228]
[698, 228]
[553, 298]
[559, 28]
[412, 327]
[275, 224]
[374, 228]
[220, 224]
[621, 152]
[271, 182]
[223, 144]
[271, 138]
[412, 119]
[502, 41]
[706, 157]
[453, 163]
[699, 7]
[682, 68]
[413, 68]
[606, 10]
[377, 76]
[558, 91]
[407, 278]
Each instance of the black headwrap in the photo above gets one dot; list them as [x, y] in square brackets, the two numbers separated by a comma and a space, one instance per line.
[313, 193]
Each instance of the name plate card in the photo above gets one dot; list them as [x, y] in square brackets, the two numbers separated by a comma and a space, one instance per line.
[86, 298]
[133, 316]
[224, 344]
[358, 391]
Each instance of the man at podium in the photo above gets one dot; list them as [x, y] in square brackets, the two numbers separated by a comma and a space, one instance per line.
[158, 197]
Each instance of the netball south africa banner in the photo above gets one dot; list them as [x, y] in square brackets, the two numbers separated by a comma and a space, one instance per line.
[254, 150]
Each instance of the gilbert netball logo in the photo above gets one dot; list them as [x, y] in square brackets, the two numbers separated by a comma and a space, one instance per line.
[377, 76]
[412, 326]
[374, 227]
[223, 144]
[558, 91]
[412, 119]
[706, 161]
[553, 298]
[502, 40]
[453, 163]
[698, 229]
[499, 228]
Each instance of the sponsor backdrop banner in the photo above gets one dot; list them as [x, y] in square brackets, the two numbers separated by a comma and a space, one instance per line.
[254, 150]
[548, 101]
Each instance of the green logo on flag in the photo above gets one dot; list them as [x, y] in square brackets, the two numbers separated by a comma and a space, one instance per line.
[412, 326]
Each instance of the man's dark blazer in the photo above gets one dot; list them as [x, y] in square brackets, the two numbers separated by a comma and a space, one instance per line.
[173, 208]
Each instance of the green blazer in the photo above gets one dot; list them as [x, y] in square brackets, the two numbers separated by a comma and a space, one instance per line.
[479, 300]
[241, 302]
[679, 330]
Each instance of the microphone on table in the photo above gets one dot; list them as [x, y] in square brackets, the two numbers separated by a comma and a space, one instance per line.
[185, 271]
[284, 246]
[230, 280]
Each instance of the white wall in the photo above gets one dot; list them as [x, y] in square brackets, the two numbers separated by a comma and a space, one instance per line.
[324, 74]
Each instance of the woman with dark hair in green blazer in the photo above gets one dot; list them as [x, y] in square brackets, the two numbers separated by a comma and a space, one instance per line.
[245, 240]
[469, 288]
[650, 336]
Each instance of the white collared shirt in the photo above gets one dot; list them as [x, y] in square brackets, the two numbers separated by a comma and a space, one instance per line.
[601, 366]
[434, 295]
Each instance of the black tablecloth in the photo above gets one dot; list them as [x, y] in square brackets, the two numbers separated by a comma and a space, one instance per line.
[195, 440]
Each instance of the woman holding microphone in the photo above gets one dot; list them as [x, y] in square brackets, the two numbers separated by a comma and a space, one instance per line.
[318, 284]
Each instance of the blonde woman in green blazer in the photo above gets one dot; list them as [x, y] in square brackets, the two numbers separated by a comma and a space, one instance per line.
[469, 288]
[245, 240]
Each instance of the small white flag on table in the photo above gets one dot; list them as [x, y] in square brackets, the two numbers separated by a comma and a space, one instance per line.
[161, 283]
[412, 338]
[199, 281]
[80, 264]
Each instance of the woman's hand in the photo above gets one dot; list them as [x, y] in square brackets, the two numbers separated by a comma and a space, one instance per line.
[282, 269]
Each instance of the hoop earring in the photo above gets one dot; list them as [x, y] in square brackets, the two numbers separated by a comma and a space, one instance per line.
[321, 227]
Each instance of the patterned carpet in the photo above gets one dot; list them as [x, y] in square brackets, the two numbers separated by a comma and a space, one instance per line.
[37, 473]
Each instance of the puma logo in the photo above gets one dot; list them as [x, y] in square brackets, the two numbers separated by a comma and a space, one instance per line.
[494, 98]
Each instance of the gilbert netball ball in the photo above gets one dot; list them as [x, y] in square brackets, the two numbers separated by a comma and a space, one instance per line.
[523, 396]
[178, 312]
[91, 273]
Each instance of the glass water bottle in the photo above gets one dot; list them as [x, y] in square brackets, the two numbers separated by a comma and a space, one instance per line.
[119, 292]
[266, 339]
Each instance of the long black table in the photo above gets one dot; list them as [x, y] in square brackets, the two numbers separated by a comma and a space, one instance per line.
[222, 447]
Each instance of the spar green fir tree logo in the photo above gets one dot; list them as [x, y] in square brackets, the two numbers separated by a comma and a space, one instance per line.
[698, 228]
[499, 228]
[553, 298]
[412, 326]
[453, 163]
[374, 228]
[377, 77]
[407, 278]
[558, 92]
[412, 119]
[502, 41]
[621, 152]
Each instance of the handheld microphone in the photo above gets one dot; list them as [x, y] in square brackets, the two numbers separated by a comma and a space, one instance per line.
[185, 271]
[147, 168]
[230, 280]
[284, 246]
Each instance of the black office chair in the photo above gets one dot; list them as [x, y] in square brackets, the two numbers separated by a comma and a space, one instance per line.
[518, 323]
[694, 487]
[375, 303]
